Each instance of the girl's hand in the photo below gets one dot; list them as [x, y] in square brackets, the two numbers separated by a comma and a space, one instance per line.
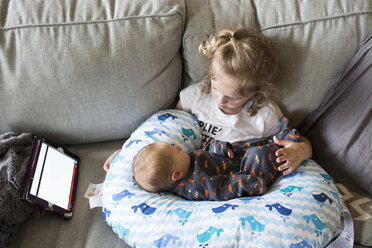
[230, 153]
[292, 154]
[106, 165]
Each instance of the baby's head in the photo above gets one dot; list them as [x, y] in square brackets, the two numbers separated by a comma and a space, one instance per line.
[159, 165]
[248, 62]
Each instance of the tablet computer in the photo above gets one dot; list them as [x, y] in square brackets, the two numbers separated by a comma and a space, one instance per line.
[51, 178]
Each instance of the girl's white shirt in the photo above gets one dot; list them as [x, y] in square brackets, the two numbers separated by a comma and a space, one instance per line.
[231, 128]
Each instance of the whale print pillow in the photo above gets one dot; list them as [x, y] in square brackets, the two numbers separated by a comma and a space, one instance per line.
[301, 209]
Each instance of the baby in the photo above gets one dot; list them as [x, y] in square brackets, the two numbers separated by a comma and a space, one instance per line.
[219, 171]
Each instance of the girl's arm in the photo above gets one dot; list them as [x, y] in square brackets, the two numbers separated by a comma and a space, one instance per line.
[106, 165]
[293, 153]
[179, 105]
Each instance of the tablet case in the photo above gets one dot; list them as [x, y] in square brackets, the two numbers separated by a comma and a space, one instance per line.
[39, 202]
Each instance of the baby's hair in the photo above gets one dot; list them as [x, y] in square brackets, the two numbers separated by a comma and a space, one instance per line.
[152, 169]
[247, 55]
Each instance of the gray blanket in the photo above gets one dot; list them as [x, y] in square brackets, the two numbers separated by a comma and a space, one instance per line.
[14, 154]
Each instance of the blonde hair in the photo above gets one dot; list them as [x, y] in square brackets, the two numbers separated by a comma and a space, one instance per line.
[247, 55]
[152, 169]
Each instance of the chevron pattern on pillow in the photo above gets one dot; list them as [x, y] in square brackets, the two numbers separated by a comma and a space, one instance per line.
[360, 208]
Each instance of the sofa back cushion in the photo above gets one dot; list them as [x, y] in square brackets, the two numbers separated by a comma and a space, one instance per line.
[84, 71]
[315, 39]
[340, 128]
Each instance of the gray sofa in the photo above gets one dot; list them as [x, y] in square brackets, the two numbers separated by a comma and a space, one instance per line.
[86, 73]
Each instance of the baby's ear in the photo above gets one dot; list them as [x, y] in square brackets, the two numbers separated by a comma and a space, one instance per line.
[176, 175]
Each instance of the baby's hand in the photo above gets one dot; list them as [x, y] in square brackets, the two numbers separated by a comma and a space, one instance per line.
[230, 153]
[106, 165]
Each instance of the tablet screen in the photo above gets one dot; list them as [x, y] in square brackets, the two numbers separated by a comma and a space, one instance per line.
[54, 175]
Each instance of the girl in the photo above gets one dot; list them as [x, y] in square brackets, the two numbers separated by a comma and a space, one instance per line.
[234, 100]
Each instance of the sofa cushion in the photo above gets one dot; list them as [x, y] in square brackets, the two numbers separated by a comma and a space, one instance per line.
[84, 71]
[340, 129]
[315, 39]
[87, 227]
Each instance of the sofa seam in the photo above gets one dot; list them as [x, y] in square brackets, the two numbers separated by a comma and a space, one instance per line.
[294, 23]
[63, 24]
[316, 20]
[257, 21]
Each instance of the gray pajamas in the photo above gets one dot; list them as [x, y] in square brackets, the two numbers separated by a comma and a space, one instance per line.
[252, 170]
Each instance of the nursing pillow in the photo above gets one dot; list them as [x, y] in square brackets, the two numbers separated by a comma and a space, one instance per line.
[302, 209]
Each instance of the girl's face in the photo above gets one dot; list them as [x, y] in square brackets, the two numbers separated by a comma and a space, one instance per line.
[226, 92]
